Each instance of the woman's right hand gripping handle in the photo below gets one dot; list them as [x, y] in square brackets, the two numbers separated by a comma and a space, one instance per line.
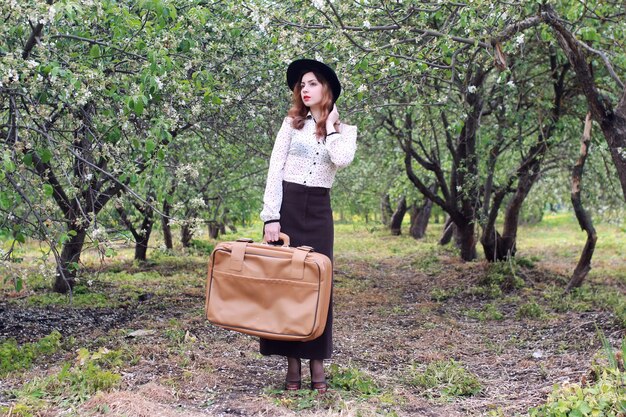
[272, 231]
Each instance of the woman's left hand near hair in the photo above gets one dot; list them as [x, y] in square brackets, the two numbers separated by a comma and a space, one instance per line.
[333, 118]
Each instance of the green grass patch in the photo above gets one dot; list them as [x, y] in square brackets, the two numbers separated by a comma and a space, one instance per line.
[352, 379]
[446, 378]
[300, 400]
[442, 294]
[502, 274]
[488, 312]
[530, 310]
[588, 298]
[73, 384]
[202, 247]
[80, 300]
[14, 357]
[604, 397]
[558, 238]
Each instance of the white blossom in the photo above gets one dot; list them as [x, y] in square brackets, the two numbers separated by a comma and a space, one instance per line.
[319, 4]
[197, 202]
[51, 13]
[98, 232]
[511, 84]
[367, 24]
[471, 89]
[362, 88]
[519, 39]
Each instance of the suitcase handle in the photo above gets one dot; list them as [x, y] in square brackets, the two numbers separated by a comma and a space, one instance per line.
[281, 236]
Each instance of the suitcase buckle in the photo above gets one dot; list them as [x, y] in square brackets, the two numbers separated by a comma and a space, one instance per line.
[306, 247]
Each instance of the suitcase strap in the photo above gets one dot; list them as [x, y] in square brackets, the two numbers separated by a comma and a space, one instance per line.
[297, 261]
[238, 252]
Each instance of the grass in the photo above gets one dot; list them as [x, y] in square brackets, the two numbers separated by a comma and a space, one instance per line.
[559, 240]
[603, 396]
[587, 298]
[70, 385]
[445, 378]
[14, 357]
[397, 283]
[352, 379]
[530, 310]
[488, 312]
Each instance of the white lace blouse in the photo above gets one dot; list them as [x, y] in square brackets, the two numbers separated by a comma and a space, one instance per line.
[298, 157]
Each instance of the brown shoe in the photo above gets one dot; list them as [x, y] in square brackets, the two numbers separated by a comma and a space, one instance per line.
[321, 387]
[297, 384]
[293, 385]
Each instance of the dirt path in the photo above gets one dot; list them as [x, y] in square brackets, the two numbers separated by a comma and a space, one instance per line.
[392, 319]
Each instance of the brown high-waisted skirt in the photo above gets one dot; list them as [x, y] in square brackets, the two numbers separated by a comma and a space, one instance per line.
[306, 216]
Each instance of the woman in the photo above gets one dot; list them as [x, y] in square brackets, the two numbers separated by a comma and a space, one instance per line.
[310, 146]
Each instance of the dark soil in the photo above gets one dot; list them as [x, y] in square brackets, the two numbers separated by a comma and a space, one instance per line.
[31, 324]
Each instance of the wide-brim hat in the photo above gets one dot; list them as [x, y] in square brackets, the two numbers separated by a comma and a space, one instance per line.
[299, 67]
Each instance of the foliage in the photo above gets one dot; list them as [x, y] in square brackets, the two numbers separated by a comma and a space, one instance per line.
[14, 357]
[84, 299]
[440, 294]
[586, 298]
[603, 397]
[202, 247]
[352, 379]
[530, 310]
[298, 401]
[488, 312]
[75, 382]
[503, 274]
[446, 378]
[177, 102]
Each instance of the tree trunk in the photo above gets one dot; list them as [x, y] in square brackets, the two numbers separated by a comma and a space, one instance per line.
[141, 247]
[143, 237]
[385, 210]
[214, 230]
[186, 234]
[467, 241]
[167, 229]
[493, 247]
[67, 266]
[448, 232]
[396, 219]
[584, 218]
[420, 216]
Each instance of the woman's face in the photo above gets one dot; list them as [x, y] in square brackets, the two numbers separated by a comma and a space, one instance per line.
[311, 91]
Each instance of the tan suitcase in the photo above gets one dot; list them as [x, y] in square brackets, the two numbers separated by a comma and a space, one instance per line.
[275, 292]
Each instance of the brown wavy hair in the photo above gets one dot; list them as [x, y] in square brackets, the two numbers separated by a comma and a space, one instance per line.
[299, 110]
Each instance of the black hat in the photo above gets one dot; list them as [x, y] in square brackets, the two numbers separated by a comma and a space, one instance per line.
[299, 67]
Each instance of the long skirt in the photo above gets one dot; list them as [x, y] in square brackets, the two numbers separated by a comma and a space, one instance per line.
[306, 216]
